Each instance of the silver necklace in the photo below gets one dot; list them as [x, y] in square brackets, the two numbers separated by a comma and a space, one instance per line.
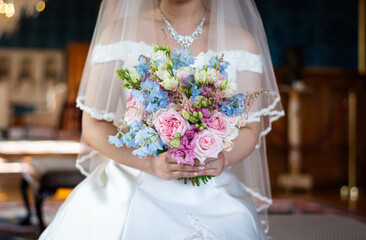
[184, 40]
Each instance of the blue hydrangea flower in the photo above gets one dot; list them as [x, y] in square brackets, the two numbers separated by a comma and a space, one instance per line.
[196, 91]
[115, 140]
[155, 97]
[142, 68]
[235, 106]
[149, 142]
[182, 58]
[138, 94]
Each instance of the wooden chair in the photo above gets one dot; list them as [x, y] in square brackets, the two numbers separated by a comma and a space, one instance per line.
[46, 175]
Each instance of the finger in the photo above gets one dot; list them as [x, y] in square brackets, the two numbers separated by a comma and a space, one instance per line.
[209, 172]
[178, 174]
[171, 160]
[198, 162]
[185, 168]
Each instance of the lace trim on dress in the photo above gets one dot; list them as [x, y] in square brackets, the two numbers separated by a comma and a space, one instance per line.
[196, 229]
[127, 51]
[95, 113]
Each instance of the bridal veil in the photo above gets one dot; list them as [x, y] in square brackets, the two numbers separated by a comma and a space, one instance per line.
[230, 23]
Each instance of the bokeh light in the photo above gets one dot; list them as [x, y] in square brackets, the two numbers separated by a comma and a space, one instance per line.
[40, 6]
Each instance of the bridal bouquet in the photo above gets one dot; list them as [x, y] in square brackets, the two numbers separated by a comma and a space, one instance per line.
[188, 112]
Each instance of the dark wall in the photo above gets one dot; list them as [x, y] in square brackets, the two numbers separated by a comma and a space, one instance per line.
[325, 29]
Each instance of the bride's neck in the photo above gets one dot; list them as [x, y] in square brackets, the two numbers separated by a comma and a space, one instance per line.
[181, 13]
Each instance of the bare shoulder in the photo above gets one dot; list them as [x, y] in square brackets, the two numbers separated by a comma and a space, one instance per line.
[243, 39]
[143, 21]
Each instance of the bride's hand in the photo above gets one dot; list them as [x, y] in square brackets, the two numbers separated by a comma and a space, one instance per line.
[213, 166]
[168, 168]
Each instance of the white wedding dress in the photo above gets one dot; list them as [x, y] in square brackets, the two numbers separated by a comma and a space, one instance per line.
[119, 202]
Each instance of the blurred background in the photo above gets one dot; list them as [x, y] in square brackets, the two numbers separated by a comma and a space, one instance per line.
[317, 152]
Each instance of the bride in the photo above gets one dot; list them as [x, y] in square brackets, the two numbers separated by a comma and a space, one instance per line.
[124, 197]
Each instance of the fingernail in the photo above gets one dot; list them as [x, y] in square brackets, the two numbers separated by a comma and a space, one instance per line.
[201, 168]
[195, 174]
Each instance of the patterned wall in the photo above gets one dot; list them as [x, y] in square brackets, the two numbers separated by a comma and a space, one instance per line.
[325, 29]
[61, 22]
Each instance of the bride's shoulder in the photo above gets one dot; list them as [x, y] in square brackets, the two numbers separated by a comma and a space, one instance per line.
[243, 39]
[142, 21]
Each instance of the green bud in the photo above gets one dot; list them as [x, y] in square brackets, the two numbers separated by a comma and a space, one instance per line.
[201, 98]
[155, 68]
[223, 85]
[187, 92]
[204, 125]
[209, 102]
[214, 65]
[192, 119]
[185, 115]
[177, 135]
[175, 143]
[212, 111]
[155, 48]
[201, 128]
[200, 115]
[197, 125]
[197, 104]
[204, 103]
[169, 63]
[206, 68]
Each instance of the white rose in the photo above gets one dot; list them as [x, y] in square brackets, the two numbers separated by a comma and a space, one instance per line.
[159, 55]
[233, 121]
[200, 76]
[213, 75]
[242, 121]
[228, 146]
[231, 133]
[167, 81]
[231, 89]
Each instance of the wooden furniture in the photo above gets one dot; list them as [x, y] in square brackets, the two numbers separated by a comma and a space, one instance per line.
[45, 176]
[49, 165]
[294, 178]
[324, 128]
[76, 56]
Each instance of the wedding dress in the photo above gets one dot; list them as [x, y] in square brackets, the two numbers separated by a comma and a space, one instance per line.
[119, 202]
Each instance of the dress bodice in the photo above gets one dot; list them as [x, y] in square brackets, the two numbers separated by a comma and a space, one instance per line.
[129, 52]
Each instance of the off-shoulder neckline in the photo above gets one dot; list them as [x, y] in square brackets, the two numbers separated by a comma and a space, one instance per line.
[208, 52]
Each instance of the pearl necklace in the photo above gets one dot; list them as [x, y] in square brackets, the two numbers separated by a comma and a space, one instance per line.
[184, 40]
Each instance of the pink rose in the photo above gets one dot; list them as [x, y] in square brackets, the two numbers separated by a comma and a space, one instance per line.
[219, 124]
[182, 155]
[135, 110]
[169, 123]
[208, 144]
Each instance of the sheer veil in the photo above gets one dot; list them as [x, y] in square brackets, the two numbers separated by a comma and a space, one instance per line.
[126, 29]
